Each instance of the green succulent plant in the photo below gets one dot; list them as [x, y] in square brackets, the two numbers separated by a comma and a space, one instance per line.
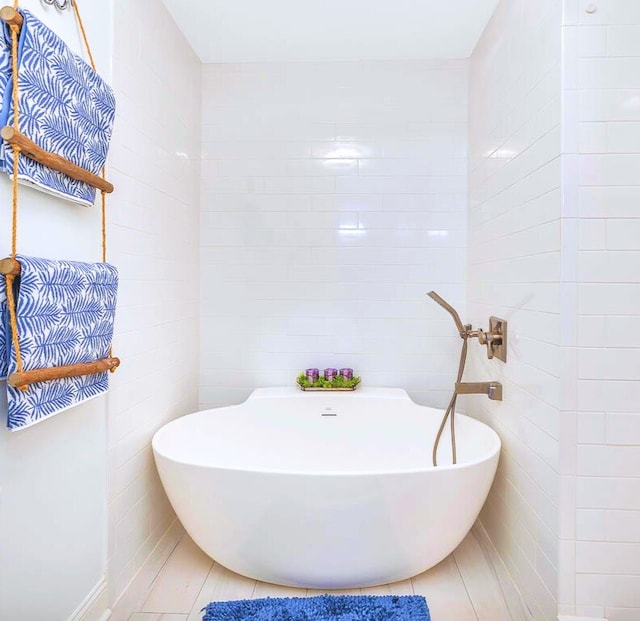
[338, 382]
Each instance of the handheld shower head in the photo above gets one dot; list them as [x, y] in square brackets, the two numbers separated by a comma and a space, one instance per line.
[452, 311]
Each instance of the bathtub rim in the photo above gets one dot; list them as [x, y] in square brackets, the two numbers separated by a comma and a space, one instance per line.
[486, 458]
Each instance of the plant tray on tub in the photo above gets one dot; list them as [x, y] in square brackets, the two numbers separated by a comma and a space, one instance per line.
[331, 380]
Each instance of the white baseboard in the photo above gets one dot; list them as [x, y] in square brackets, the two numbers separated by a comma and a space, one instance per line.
[515, 602]
[95, 606]
[136, 592]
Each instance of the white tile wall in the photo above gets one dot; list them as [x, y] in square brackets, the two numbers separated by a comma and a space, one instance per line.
[515, 270]
[601, 48]
[153, 216]
[333, 198]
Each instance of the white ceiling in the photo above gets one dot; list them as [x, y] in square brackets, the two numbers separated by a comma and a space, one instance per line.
[229, 31]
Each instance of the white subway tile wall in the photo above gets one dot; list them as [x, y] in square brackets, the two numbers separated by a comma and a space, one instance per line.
[333, 198]
[515, 272]
[153, 239]
[603, 46]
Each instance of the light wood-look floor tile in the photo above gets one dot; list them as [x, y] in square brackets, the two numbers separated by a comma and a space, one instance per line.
[264, 589]
[180, 580]
[463, 587]
[444, 590]
[315, 592]
[153, 616]
[404, 587]
[221, 585]
[481, 584]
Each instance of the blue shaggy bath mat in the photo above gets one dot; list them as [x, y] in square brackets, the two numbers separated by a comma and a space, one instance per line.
[322, 608]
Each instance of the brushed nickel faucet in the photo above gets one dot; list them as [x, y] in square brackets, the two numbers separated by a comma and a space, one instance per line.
[493, 390]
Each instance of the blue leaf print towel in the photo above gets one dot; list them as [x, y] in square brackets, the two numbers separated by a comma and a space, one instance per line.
[65, 312]
[65, 107]
[4, 333]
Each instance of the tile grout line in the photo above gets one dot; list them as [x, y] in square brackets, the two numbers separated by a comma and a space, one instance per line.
[195, 602]
[494, 575]
[253, 590]
[157, 576]
[475, 612]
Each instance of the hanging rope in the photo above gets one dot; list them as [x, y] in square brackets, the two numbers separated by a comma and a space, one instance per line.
[14, 200]
[74, 4]
[16, 125]
[16, 149]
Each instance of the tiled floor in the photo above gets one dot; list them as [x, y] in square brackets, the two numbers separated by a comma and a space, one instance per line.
[460, 588]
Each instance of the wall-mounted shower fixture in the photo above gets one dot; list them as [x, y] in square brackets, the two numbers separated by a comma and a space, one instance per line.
[496, 341]
[495, 338]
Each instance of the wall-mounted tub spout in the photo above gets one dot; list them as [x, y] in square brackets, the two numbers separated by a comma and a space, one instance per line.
[493, 390]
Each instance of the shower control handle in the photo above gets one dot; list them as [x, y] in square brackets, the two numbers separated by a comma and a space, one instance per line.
[495, 338]
[491, 340]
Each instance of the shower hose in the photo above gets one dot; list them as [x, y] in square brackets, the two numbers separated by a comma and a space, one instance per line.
[451, 408]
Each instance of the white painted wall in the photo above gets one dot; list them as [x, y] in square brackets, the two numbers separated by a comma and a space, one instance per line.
[155, 166]
[601, 217]
[52, 475]
[333, 199]
[514, 273]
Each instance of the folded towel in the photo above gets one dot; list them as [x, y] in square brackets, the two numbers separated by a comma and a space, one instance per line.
[65, 108]
[65, 313]
[4, 332]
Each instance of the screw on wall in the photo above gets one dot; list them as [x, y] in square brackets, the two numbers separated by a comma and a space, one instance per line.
[591, 8]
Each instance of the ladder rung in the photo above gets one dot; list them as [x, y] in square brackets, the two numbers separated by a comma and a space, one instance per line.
[52, 160]
[10, 267]
[24, 378]
[11, 16]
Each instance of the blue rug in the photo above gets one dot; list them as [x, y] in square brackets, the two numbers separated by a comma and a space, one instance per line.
[322, 608]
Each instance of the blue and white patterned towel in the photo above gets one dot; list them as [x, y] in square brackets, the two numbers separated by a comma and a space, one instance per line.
[4, 333]
[65, 312]
[65, 108]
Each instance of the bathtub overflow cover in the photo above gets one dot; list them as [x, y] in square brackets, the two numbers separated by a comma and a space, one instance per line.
[329, 412]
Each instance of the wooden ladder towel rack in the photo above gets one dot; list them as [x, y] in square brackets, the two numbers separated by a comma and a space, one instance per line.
[31, 150]
[10, 267]
[20, 379]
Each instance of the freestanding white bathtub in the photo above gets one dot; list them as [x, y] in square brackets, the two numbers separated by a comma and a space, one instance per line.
[325, 490]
